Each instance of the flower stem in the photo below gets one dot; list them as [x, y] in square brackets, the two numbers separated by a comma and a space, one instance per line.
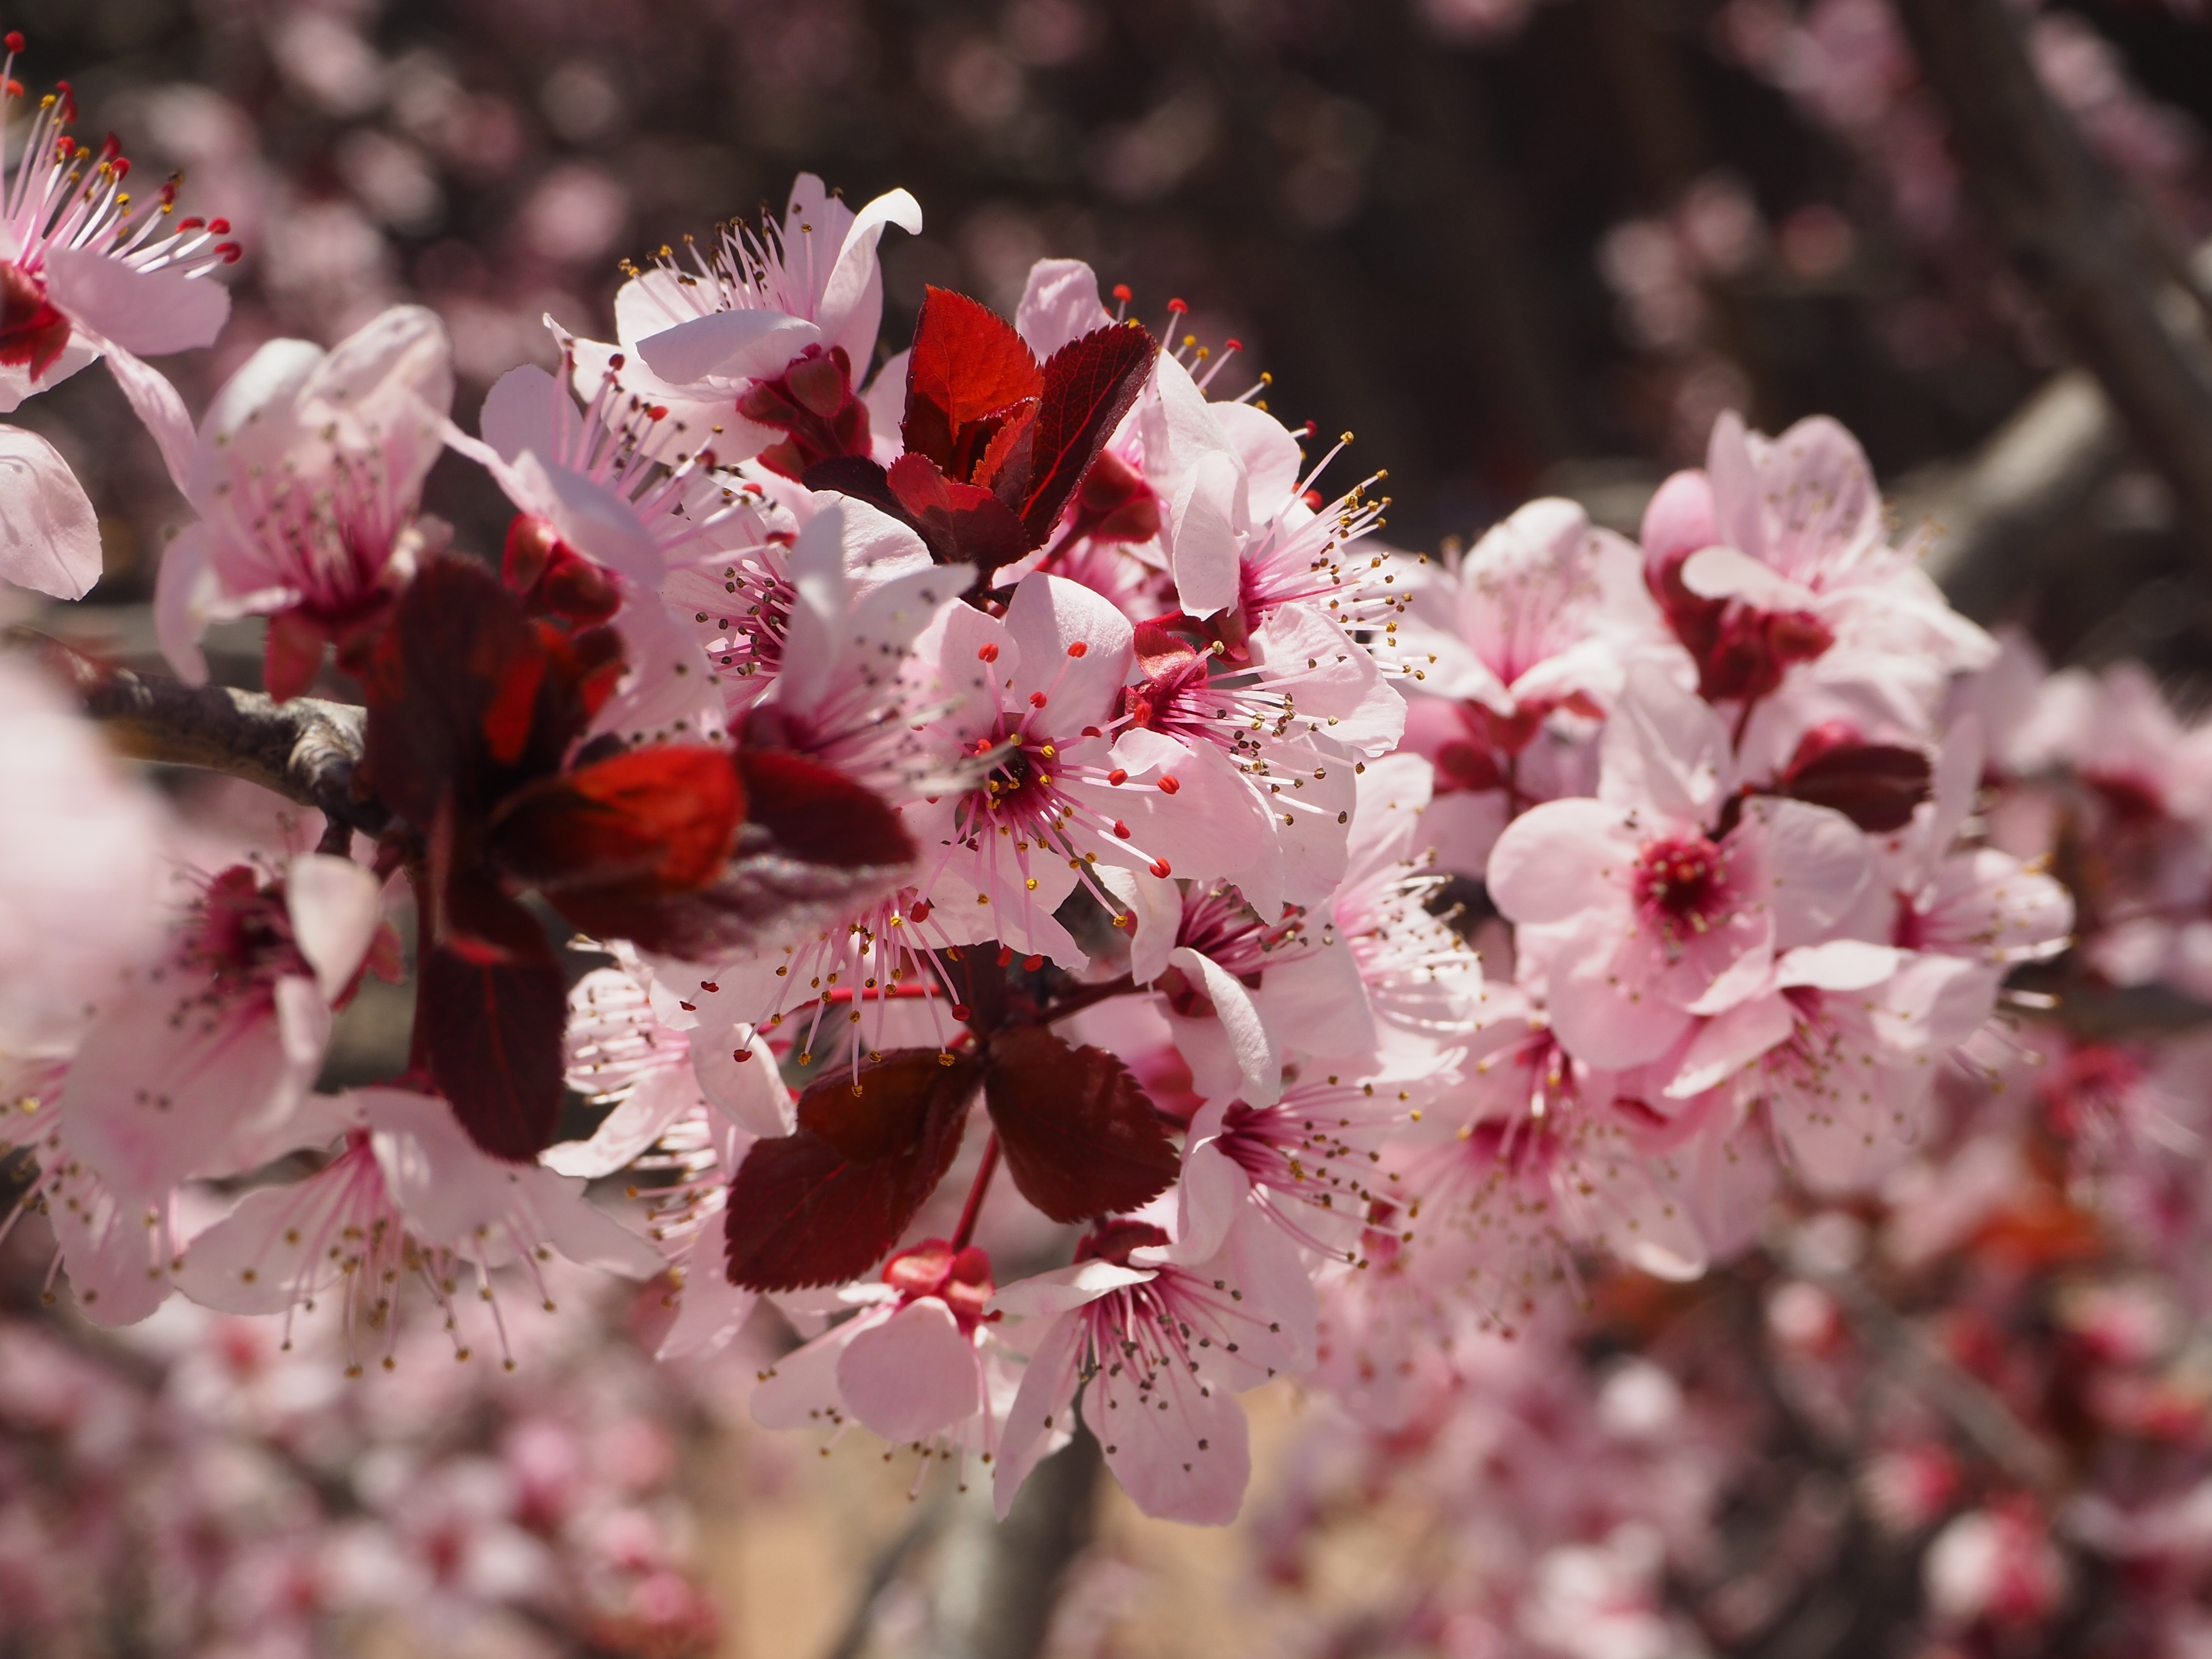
[974, 1208]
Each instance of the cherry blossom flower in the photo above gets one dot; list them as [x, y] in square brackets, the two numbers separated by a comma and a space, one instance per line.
[735, 338]
[81, 282]
[406, 1195]
[1159, 1350]
[1641, 910]
[307, 474]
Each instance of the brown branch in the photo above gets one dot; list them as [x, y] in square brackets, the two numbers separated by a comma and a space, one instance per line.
[2078, 238]
[304, 749]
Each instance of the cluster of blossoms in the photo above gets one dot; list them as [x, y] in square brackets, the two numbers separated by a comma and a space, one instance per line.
[1004, 770]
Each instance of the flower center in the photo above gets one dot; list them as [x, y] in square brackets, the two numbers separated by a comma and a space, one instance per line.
[1681, 887]
[33, 330]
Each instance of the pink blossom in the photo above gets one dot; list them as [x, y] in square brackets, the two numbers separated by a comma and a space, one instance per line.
[406, 1194]
[1159, 1350]
[1035, 697]
[920, 1363]
[1640, 911]
[308, 476]
[81, 282]
[220, 1041]
[753, 305]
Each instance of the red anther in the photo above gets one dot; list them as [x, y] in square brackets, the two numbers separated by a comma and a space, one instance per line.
[1120, 830]
[961, 1011]
[920, 911]
[1170, 783]
[709, 987]
[657, 413]
[1118, 776]
[14, 88]
[1178, 306]
[1036, 699]
[689, 1007]
[616, 361]
[1079, 649]
[987, 654]
[1123, 293]
[1006, 954]
[220, 227]
[14, 39]
[741, 1055]
[64, 146]
[1161, 869]
[194, 223]
[1232, 343]
[1312, 498]
[122, 165]
[231, 252]
[1032, 962]
[1092, 732]
[706, 458]
[169, 191]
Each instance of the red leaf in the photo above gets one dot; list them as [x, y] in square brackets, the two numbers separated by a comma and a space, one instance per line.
[1080, 1136]
[491, 1034]
[814, 847]
[466, 694]
[662, 819]
[964, 524]
[969, 371]
[826, 1203]
[1089, 385]
[1876, 786]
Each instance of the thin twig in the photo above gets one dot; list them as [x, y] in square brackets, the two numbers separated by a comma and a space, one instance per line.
[305, 750]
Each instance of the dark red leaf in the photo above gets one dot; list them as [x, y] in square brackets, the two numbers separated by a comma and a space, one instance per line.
[964, 524]
[812, 402]
[662, 819]
[492, 1036]
[466, 695]
[1080, 1137]
[826, 1203]
[1875, 785]
[968, 372]
[814, 846]
[858, 477]
[1089, 385]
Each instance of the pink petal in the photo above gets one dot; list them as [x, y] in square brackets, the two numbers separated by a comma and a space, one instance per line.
[1043, 1416]
[150, 314]
[1665, 750]
[751, 1092]
[1680, 519]
[1727, 1042]
[156, 404]
[1272, 458]
[851, 309]
[1212, 1188]
[1059, 305]
[913, 1375]
[709, 1311]
[1606, 1013]
[1179, 1448]
[526, 409]
[1561, 859]
[728, 345]
[800, 1389]
[1814, 861]
[335, 906]
[1047, 616]
[49, 534]
[1259, 1061]
[183, 592]
[1202, 534]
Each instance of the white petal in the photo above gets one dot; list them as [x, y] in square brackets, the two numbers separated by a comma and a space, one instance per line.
[335, 906]
[728, 345]
[49, 535]
[149, 313]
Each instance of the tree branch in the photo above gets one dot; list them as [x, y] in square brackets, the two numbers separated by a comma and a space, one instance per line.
[2079, 239]
[304, 749]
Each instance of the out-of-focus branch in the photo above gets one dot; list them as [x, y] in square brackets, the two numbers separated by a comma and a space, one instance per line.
[304, 749]
[996, 1586]
[1993, 519]
[2078, 239]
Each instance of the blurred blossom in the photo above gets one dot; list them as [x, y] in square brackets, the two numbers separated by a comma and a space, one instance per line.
[392, 180]
[1149, 158]
[577, 212]
[580, 102]
[1046, 34]
[327, 61]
